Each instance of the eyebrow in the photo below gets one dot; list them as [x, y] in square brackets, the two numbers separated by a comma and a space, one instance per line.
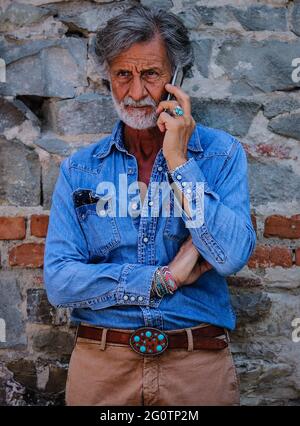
[152, 69]
[144, 70]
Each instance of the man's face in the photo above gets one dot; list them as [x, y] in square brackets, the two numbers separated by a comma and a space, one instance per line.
[137, 78]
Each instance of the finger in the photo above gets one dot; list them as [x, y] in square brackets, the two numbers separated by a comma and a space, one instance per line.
[164, 120]
[182, 97]
[161, 126]
[201, 267]
[197, 271]
[205, 266]
[170, 105]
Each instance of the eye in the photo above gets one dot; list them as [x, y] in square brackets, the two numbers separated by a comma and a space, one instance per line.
[150, 74]
[123, 74]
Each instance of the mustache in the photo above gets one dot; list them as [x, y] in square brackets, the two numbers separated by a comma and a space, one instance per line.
[128, 101]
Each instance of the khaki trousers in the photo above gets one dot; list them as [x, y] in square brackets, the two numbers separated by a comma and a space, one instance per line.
[102, 373]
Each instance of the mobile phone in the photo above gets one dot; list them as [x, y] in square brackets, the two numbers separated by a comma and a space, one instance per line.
[177, 80]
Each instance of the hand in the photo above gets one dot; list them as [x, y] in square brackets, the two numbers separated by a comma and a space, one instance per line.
[178, 129]
[188, 265]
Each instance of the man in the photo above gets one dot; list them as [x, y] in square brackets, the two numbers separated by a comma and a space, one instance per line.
[148, 289]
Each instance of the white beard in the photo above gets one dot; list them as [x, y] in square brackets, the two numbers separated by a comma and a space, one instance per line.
[137, 118]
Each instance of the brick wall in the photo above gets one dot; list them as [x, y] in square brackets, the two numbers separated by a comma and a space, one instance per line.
[245, 80]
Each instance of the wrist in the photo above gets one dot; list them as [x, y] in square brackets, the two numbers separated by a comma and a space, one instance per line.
[175, 277]
[163, 282]
[175, 161]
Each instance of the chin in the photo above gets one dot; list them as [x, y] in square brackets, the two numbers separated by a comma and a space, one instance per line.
[139, 122]
[139, 126]
[136, 118]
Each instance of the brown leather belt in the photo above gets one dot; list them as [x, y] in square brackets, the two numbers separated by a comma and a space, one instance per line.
[206, 337]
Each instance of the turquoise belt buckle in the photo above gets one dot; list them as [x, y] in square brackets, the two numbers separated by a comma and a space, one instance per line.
[148, 341]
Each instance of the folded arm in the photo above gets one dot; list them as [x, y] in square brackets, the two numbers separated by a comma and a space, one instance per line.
[70, 280]
[225, 238]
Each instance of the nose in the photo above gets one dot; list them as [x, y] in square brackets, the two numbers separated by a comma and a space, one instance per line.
[137, 89]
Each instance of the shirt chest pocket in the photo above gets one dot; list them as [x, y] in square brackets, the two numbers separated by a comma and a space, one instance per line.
[98, 221]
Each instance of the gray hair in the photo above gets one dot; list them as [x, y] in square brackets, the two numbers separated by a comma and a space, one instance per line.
[140, 24]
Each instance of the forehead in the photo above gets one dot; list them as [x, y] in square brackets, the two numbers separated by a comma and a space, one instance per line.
[147, 54]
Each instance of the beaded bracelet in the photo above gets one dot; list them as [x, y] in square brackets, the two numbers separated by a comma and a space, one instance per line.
[168, 277]
[163, 282]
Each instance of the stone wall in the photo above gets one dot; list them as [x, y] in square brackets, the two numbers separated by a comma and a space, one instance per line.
[246, 80]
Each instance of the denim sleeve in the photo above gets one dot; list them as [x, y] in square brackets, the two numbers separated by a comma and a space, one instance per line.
[224, 235]
[70, 280]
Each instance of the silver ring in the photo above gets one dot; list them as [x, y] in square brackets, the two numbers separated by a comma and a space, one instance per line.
[178, 111]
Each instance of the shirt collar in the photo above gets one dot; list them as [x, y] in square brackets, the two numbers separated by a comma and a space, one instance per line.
[116, 138]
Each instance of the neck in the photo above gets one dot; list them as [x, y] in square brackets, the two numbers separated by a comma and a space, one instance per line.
[150, 139]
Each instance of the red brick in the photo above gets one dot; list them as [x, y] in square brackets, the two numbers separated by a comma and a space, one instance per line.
[282, 227]
[12, 228]
[260, 257]
[29, 255]
[270, 150]
[265, 256]
[39, 225]
[297, 257]
[281, 256]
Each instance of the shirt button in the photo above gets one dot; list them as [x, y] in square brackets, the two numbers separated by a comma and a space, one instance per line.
[145, 239]
[102, 212]
[189, 190]
[132, 298]
[134, 206]
[179, 177]
[150, 203]
[125, 297]
[184, 183]
[140, 298]
[159, 168]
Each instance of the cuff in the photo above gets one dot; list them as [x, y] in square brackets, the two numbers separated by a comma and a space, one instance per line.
[190, 181]
[135, 285]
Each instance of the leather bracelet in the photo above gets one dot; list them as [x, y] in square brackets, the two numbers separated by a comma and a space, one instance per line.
[168, 277]
[163, 282]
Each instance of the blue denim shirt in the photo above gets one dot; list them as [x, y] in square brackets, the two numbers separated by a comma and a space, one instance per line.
[102, 266]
